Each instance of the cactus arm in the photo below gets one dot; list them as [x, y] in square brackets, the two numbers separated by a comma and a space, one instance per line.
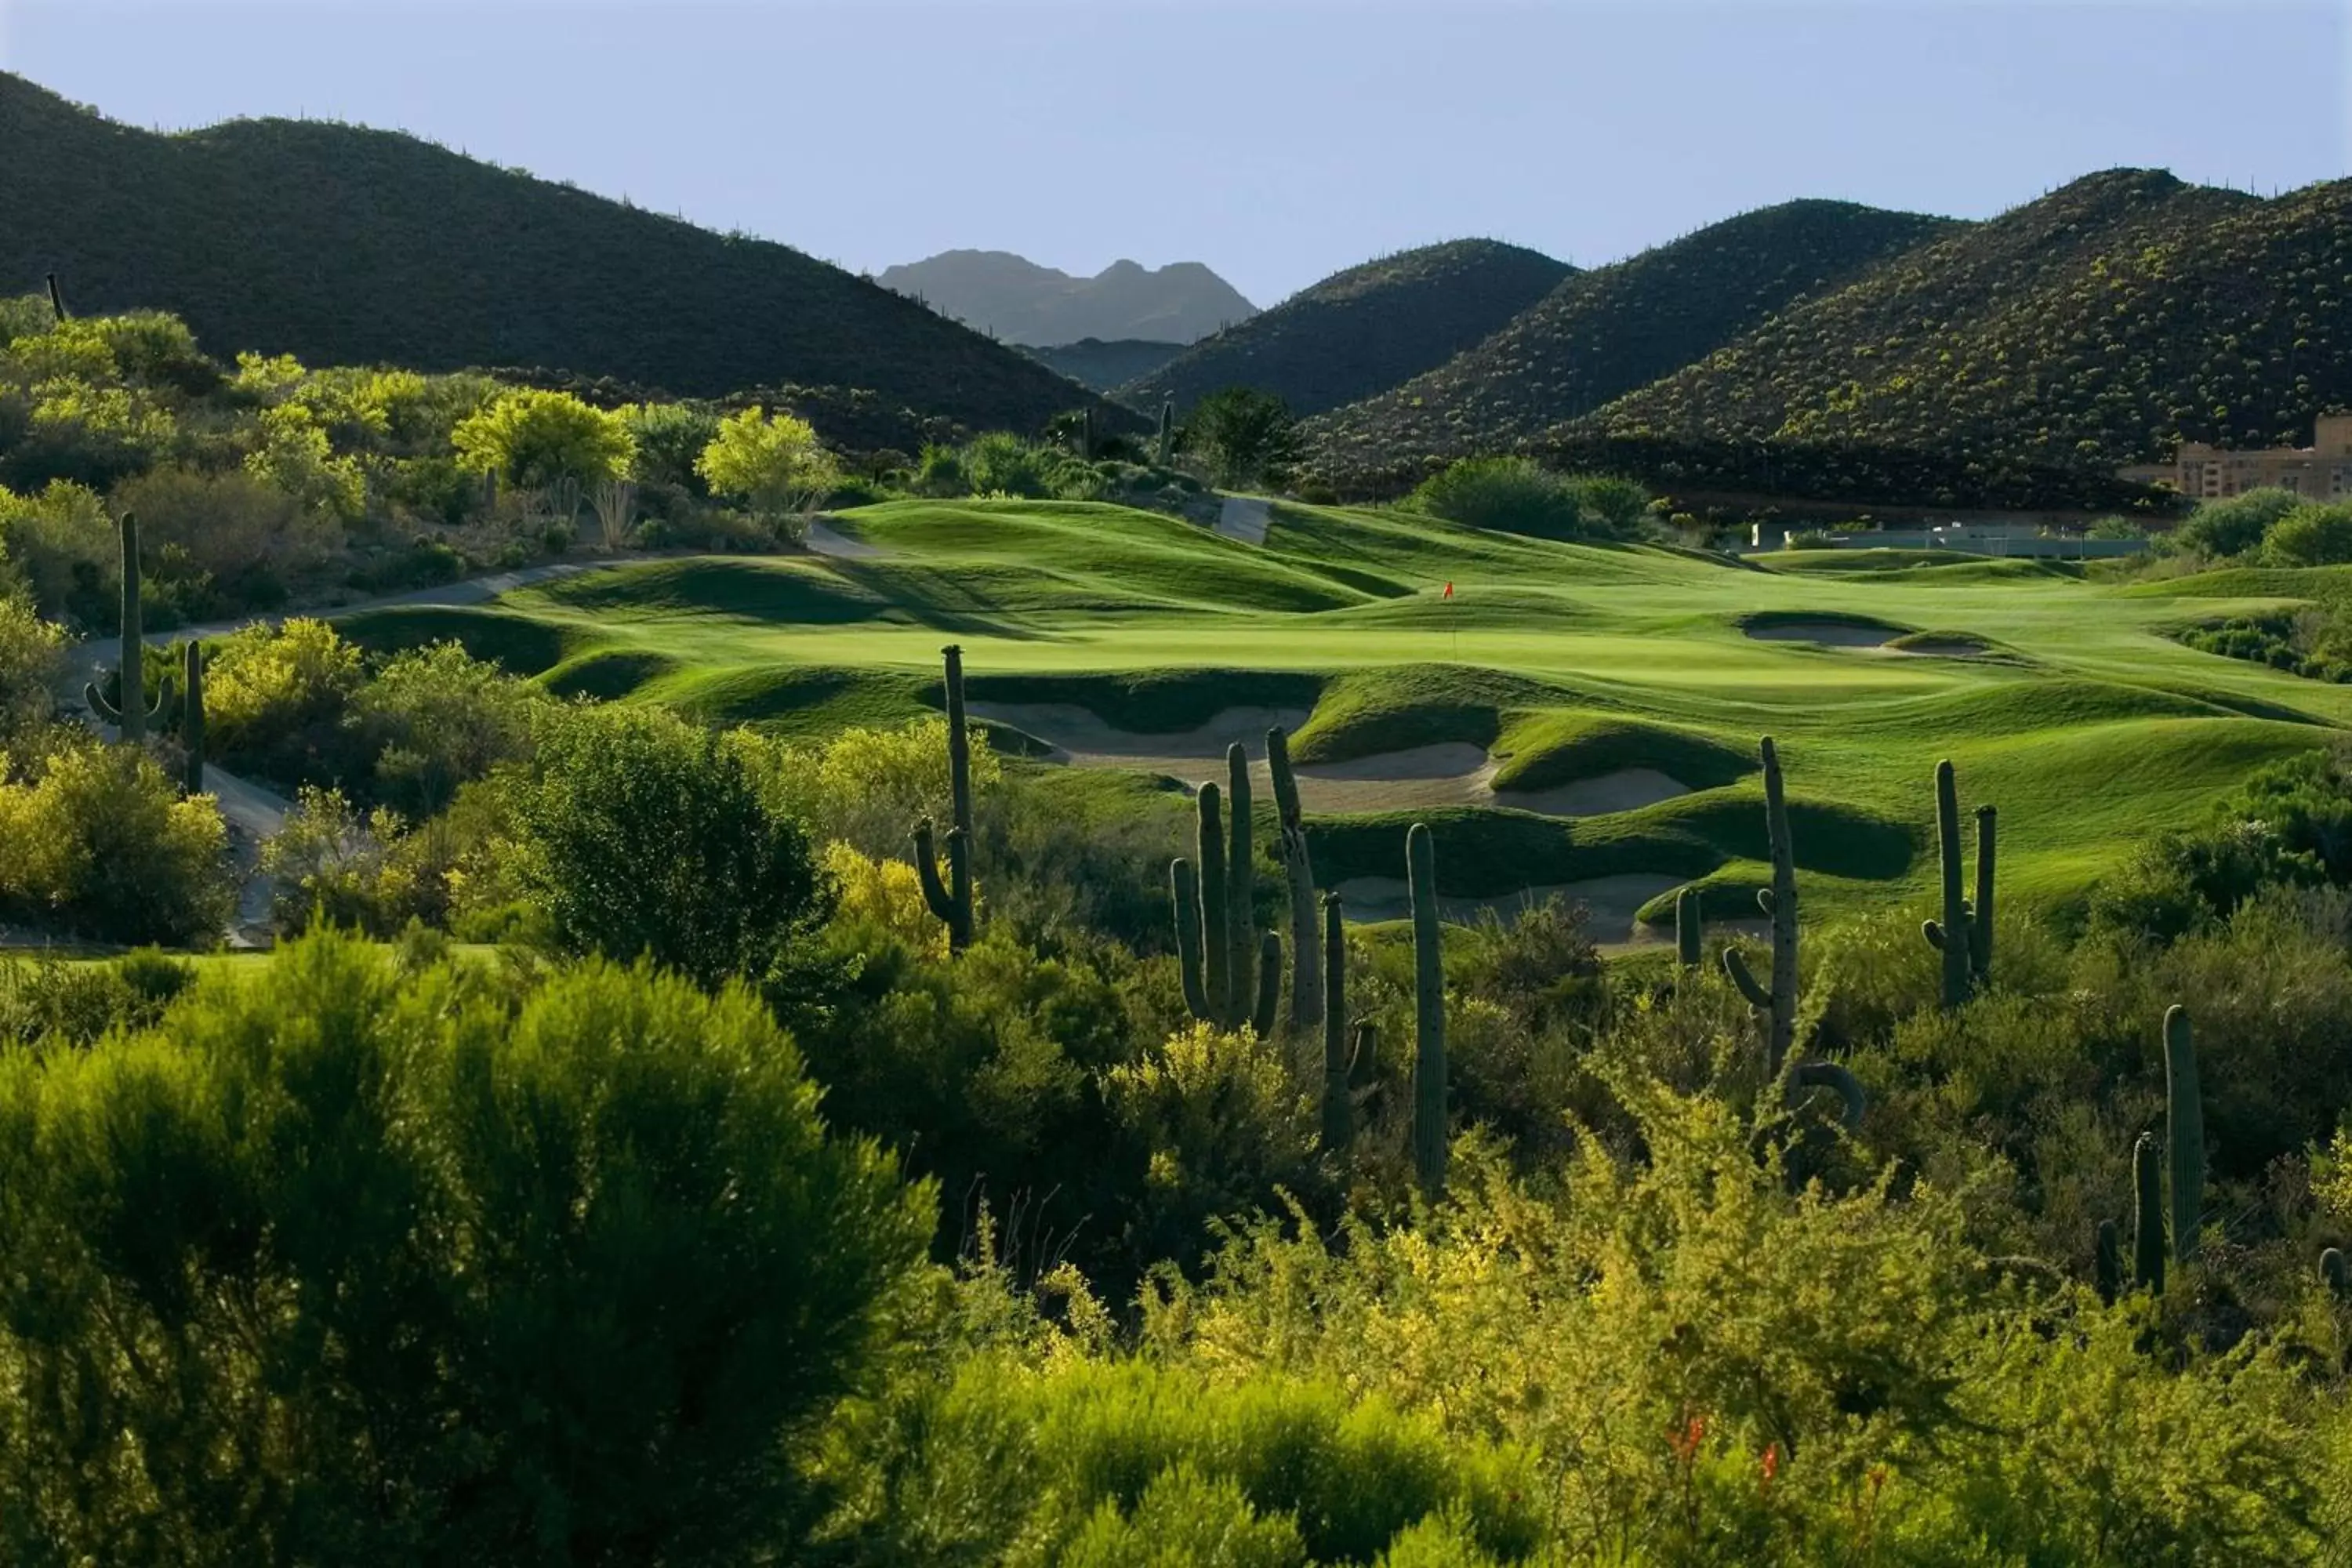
[1216, 968]
[1269, 985]
[2335, 1273]
[934, 892]
[1429, 1083]
[2107, 1268]
[1736, 967]
[1363, 1058]
[2147, 1214]
[1299, 871]
[1241, 886]
[100, 706]
[1690, 930]
[2184, 1132]
[56, 300]
[1980, 914]
[192, 720]
[1184, 892]
[1853, 1102]
[1934, 932]
[1339, 1109]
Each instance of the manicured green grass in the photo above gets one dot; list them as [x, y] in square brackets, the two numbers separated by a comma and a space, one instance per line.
[2088, 727]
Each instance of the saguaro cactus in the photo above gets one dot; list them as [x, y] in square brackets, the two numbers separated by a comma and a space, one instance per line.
[1298, 873]
[1964, 936]
[1269, 985]
[1429, 1006]
[2335, 1274]
[2184, 1132]
[57, 299]
[192, 719]
[1241, 886]
[2107, 1264]
[1338, 1098]
[1778, 1006]
[2147, 1214]
[1201, 915]
[132, 715]
[1167, 430]
[1690, 932]
[1851, 1101]
[951, 902]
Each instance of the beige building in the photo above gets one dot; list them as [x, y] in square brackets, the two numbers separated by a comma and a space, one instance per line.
[2322, 471]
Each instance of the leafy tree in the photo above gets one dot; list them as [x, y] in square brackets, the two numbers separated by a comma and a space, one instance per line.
[641, 835]
[1512, 494]
[670, 439]
[435, 718]
[2236, 524]
[541, 439]
[276, 698]
[774, 463]
[2311, 535]
[1248, 437]
[98, 842]
[365, 1266]
[32, 666]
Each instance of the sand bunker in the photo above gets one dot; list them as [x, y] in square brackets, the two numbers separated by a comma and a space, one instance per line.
[823, 540]
[1942, 647]
[1829, 634]
[1450, 773]
[1245, 518]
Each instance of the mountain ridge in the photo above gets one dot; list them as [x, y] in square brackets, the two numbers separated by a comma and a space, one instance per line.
[1021, 301]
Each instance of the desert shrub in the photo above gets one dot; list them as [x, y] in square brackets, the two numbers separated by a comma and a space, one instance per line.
[882, 901]
[433, 718]
[639, 835]
[49, 1001]
[64, 543]
[939, 471]
[32, 666]
[249, 538]
[96, 841]
[1073, 1459]
[1245, 435]
[331, 862]
[670, 440]
[1611, 507]
[2234, 525]
[869, 787]
[572, 1275]
[1510, 494]
[1002, 464]
[275, 701]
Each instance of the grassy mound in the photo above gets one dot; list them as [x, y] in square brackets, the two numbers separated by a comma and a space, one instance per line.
[1558, 748]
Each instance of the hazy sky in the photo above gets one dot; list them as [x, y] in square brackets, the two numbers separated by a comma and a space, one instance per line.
[1277, 141]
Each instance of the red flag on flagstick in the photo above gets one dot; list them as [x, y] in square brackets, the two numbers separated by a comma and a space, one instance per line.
[1449, 590]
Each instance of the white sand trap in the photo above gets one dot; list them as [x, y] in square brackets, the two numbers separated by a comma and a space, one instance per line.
[823, 540]
[1942, 647]
[1831, 633]
[1450, 773]
[1627, 789]
[1245, 518]
[1612, 901]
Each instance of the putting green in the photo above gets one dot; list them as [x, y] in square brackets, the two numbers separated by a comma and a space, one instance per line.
[2058, 698]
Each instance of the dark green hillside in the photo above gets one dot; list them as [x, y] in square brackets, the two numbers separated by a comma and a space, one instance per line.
[2093, 328]
[353, 246]
[1603, 333]
[1362, 330]
[1103, 364]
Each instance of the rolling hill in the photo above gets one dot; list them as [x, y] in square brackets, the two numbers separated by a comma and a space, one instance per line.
[2092, 328]
[1604, 332]
[1091, 361]
[347, 246]
[1363, 331]
[1015, 298]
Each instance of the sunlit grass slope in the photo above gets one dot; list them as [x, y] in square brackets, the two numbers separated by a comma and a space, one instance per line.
[2088, 727]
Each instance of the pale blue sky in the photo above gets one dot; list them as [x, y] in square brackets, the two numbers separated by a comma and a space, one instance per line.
[1276, 142]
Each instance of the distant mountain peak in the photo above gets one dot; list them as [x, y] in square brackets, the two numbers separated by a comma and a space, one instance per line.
[1023, 302]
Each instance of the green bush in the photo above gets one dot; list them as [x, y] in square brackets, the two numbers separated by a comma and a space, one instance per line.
[357, 1267]
[639, 835]
[95, 841]
[1509, 494]
[2233, 526]
[2311, 535]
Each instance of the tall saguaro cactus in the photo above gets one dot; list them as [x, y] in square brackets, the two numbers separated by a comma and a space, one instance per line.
[192, 719]
[2184, 1132]
[1240, 885]
[951, 901]
[1429, 1007]
[1306, 986]
[1778, 1004]
[2147, 1213]
[1964, 936]
[1167, 430]
[1201, 915]
[1338, 1098]
[131, 714]
[56, 300]
[2107, 1263]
